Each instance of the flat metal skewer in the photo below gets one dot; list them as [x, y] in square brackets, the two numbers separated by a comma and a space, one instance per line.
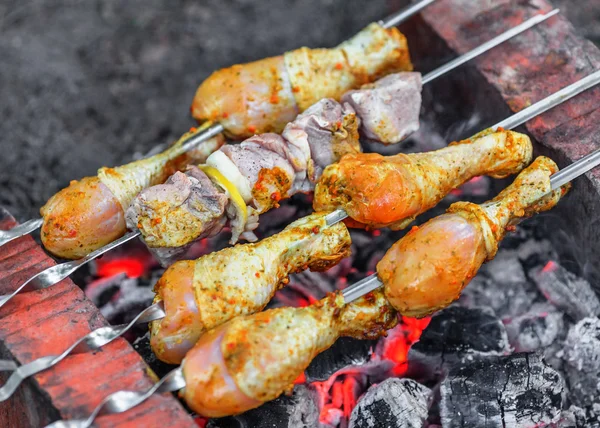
[557, 180]
[21, 230]
[57, 273]
[214, 129]
[121, 401]
[402, 15]
[90, 342]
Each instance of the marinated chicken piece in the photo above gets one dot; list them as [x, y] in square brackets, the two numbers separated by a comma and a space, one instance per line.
[263, 96]
[202, 294]
[90, 213]
[191, 198]
[253, 359]
[258, 173]
[390, 191]
[389, 109]
[427, 269]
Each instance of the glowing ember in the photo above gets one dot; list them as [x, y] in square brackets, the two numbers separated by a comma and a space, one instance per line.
[550, 267]
[132, 267]
[339, 394]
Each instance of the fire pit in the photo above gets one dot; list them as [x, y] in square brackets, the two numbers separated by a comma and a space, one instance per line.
[520, 347]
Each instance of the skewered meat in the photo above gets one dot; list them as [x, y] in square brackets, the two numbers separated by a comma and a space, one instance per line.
[389, 108]
[89, 213]
[379, 191]
[238, 281]
[263, 96]
[195, 202]
[253, 359]
[255, 174]
[427, 269]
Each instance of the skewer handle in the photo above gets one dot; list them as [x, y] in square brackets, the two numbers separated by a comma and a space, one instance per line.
[404, 14]
[21, 230]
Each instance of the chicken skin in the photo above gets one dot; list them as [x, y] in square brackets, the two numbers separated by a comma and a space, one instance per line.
[263, 96]
[253, 359]
[90, 213]
[427, 269]
[202, 294]
[390, 191]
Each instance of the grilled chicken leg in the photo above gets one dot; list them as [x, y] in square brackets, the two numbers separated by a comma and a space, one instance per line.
[90, 213]
[253, 359]
[427, 269]
[202, 294]
[264, 95]
[390, 191]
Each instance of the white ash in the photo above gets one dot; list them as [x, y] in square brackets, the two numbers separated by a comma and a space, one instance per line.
[536, 329]
[394, 403]
[505, 268]
[582, 362]
[566, 291]
[507, 300]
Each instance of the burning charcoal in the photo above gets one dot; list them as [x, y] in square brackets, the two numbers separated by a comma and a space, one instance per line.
[392, 403]
[582, 361]
[300, 410]
[536, 329]
[567, 291]
[507, 300]
[519, 390]
[344, 353]
[454, 335]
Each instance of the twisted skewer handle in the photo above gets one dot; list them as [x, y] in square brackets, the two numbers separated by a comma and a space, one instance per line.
[21, 230]
[121, 401]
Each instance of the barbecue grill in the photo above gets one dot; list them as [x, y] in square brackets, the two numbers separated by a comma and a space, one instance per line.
[461, 348]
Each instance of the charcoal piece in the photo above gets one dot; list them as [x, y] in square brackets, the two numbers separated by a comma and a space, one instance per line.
[507, 300]
[298, 411]
[582, 361]
[344, 352]
[392, 403]
[573, 417]
[567, 291]
[518, 390]
[534, 253]
[536, 329]
[505, 268]
[454, 335]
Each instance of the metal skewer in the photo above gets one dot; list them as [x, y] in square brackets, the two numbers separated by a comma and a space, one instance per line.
[216, 128]
[355, 291]
[21, 230]
[121, 401]
[404, 14]
[59, 272]
[557, 180]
